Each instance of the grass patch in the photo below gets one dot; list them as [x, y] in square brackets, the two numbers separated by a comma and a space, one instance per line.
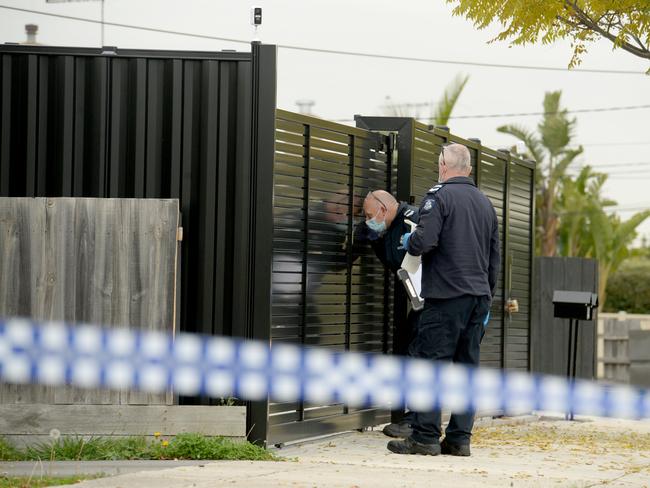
[7, 451]
[183, 447]
[39, 482]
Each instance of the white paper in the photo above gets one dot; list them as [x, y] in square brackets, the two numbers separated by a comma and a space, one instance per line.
[416, 279]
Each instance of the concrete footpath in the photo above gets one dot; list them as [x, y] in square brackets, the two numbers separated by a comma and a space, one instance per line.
[547, 453]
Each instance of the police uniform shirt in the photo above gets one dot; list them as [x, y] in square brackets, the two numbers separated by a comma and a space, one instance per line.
[458, 239]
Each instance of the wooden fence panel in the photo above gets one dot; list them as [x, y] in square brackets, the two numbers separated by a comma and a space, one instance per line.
[102, 261]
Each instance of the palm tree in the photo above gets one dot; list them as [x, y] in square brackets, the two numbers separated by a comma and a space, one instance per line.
[440, 112]
[588, 230]
[551, 149]
[579, 198]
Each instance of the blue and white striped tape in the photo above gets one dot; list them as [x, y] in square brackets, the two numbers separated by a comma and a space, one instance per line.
[190, 364]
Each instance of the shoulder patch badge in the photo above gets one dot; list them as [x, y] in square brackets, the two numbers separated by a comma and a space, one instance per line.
[428, 205]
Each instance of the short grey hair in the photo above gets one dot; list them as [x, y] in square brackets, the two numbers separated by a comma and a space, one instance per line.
[457, 157]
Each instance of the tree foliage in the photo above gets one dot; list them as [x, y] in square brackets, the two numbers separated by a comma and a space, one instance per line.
[551, 147]
[573, 217]
[440, 111]
[629, 288]
[625, 23]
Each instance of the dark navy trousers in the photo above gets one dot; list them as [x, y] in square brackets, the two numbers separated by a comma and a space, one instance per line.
[449, 330]
[404, 336]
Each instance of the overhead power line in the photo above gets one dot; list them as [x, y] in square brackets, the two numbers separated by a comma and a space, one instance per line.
[125, 26]
[524, 114]
[635, 143]
[622, 165]
[334, 51]
[577, 111]
[623, 208]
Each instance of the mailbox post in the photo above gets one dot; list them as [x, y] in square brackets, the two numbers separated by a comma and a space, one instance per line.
[575, 306]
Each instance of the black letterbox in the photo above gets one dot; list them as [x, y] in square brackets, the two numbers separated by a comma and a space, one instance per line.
[577, 305]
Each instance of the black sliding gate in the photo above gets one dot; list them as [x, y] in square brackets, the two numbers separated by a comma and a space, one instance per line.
[509, 182]
[323, 293]
[269, 198]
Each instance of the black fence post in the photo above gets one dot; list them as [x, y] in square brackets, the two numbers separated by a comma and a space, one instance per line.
[506, 259]
[532, 279]
[477, 170]
[257, 313]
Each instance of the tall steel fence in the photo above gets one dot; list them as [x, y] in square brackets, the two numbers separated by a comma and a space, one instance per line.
[196, 126]
[269, 199]
[81, 122]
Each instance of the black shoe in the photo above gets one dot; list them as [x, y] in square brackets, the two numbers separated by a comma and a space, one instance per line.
[409, 446]
[401, 430]
[454, 449]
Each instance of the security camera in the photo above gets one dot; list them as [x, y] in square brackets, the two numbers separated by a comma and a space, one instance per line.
[256, 16]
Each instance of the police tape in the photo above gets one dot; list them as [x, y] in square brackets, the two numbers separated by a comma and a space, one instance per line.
[88, 356]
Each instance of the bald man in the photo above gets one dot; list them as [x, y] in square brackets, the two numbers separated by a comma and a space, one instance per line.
[383, 229]
[458, 238]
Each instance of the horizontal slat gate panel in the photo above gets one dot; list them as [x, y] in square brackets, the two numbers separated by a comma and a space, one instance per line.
[520, 256]
[320, 295]
[511, 194]
[492, 183]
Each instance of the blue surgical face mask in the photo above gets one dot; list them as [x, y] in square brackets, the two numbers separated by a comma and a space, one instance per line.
[378, 227]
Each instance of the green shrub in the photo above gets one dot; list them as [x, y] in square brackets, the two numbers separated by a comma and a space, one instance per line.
[182, 446]
[93, 449]
[196, 446]
[629, 288]
[7, 451]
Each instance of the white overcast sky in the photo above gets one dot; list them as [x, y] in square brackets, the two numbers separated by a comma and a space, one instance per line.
[343, 86]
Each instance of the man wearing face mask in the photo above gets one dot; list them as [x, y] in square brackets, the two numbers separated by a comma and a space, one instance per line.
[383, 229]
[458, 238]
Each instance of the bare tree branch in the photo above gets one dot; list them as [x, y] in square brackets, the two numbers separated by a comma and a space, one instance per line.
[584, 19]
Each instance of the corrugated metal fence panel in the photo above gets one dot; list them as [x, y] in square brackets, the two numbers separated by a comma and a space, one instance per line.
[323, 294]
[143, 124]
[520, 243]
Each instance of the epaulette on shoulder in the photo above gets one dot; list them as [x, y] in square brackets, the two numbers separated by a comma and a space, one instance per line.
[434, 189]
[408, 213]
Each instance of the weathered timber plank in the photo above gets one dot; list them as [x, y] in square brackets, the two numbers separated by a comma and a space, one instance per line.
[37, 419]
[103, 261]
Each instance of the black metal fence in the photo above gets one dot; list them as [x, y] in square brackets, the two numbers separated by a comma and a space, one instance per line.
[151, 124]
[269, 199]
[197, 126]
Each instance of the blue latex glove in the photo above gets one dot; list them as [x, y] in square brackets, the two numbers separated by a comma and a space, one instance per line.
[487, 319]
[404, 240]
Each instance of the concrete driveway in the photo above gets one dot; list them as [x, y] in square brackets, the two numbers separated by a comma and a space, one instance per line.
[547, 453]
